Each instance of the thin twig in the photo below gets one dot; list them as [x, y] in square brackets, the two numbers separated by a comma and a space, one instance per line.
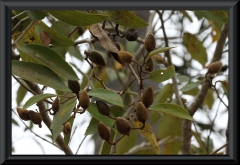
[134, 73]
[23, 33]
[69, 35]
[18, 14]
[20, 23]
[80, 144]
[216, 151]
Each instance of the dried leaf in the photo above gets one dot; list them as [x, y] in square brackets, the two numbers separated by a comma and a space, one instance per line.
[45, 38]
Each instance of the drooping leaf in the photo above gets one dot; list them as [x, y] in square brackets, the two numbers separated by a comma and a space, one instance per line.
[165, 94]
[156, 52]
[154, 117]
[38, 73]
[56, 38]
[200, 142]
[92, 127]
[195, 48]
[77, 18]
[97, 31]
[171, 109]
[185, 14]
[170, 128]
[37, 98]
[150, 136]
[225, 86]
[214, 15]
[50, 59]
[162, 75]
[209, 99]
[126, 18]
[107, 95]
[183, 78]
[107, 148]
[61, 117]
[92, 109]
[189, 86]
[15, 122]
[117, 111]
[21, 93]
[127, 142]
[36, 14]
[75, 52]
[192, 92]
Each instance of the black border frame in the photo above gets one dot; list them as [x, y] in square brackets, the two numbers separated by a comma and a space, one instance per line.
[5, 76]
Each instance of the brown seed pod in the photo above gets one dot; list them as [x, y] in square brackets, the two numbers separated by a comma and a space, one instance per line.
[215, 67]
[103, 131]
[23, 114]
[159, 60]
[36, 118]
[148, 96]
[125, 56]
[150, 42]
[66, 128]
[131, 34]
[74, 86]
[96, 58]
[141, 112]
[149, 65]
[55, 106]
[84, 100]
[123, 126]
[103, 108]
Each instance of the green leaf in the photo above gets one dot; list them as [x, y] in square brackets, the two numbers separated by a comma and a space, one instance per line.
[92, 109]
[195, 48]
[154, 117]
[36, 14]
[162, 75]
[92, 127]
[214, 15]
[37, 98]
[61, 117]
[157, 51]
[150, 136]
[185, 14]
[192, 92]
[21, 93]
[50, 59]
[126, 18]
[56, 38]
[165, 94]
[15, 122]
[127, 142]
[183, 78]
[209, 99]
[39, 74]
[117, 111]
[171, 109]
[107, 148]
[172, 133]
[75, 52]
[225, 86]
[77, 18]
[190, 86]
[107, 95]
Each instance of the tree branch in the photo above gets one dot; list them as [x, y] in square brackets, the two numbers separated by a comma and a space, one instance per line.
[47, 120]
[187, 135]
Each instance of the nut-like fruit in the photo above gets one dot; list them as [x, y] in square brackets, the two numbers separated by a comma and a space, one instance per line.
[148, 96]
[150, 42]
[125, 56]
[23, 114]
[103, 108]
[66, 128]
[45, 38]
[123, 126]
[35, 117]
[55, 106]
[131, 34]
[149, 66]
[159, 60]
[96, 58]
[74, 86]
[141, 112]
[214, 67]
[103, 131]
[84, 100]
